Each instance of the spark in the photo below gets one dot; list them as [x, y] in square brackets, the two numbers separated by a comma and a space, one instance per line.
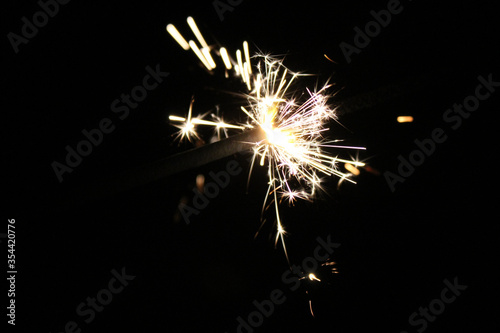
[333, 270]
[199, 54]
[194, 27]
[206, 54]
[310, 308]
[200, 183]
[312, 277]
[352, 169]
[172, 30]
[225, 58]
[240, 64]
[205, 49]
[187, 126]
[329, 59]
[202, 53]
[247, 55]
[405, 119]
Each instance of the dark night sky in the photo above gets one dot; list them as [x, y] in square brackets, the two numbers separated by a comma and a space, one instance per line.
[396, 248]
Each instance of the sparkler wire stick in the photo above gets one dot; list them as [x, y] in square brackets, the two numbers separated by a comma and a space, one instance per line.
[169, 166]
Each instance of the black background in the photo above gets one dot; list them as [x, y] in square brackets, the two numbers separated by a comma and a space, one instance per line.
[396, 247]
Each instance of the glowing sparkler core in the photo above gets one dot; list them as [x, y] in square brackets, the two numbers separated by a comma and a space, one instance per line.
[294, 131]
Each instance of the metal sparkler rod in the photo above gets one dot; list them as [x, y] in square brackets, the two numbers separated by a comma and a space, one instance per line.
[169, 166]
[197, 157]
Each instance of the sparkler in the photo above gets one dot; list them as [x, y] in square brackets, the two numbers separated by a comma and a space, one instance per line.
[294, 146]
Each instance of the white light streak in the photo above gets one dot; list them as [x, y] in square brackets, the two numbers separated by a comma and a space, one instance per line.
[200, 55]
[225, 58]
[172, 30]
[196, 31]
[352, 169]
[240, 65]
[247, 56]
[206, 53]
